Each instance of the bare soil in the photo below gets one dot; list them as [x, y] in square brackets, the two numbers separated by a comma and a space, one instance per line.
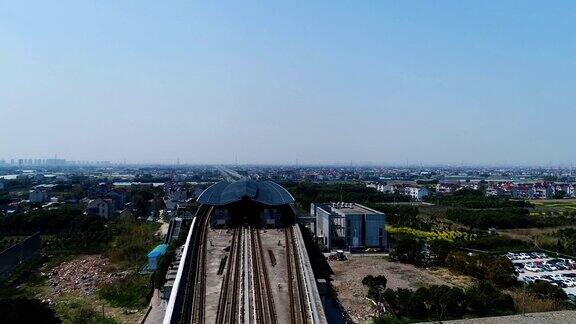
[348, 275]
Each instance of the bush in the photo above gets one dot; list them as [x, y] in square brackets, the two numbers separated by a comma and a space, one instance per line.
[497, 270]
[305, 193]
[546, 290]
[50, 222]
[132, 243]
[376, 286]
[470, 198]
[494, 243]
[132, 291]
[408, 249]
[485, 300]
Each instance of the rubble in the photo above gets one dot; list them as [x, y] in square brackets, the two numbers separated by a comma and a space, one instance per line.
[81, 276]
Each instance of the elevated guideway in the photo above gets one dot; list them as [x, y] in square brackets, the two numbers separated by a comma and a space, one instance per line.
[244, 274]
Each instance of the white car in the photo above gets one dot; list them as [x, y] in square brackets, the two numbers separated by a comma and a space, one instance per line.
[532, 268]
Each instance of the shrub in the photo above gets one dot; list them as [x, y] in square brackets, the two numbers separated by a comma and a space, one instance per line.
[546, 290]
[132, 291]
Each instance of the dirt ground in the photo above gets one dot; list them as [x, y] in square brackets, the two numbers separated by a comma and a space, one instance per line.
[348, 275]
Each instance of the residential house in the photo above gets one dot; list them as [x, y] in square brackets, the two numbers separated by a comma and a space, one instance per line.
[417, 193]
[100, 207]
[37, 196]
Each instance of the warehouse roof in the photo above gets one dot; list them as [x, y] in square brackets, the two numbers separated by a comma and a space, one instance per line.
[265, 192]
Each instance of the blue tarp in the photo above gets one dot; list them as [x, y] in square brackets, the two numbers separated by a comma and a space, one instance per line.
[158, 251]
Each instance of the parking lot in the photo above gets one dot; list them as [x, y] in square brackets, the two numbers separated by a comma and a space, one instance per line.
[532, 266]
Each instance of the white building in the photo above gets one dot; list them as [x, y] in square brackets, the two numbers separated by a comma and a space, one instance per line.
[100, 207]
[417, 193]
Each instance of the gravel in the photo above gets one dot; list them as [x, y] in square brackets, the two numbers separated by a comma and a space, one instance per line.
[81, 276]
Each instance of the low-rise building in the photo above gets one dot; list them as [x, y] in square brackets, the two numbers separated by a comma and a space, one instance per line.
[349, 226]
[37, 196]
[100, 207]
[417, 193]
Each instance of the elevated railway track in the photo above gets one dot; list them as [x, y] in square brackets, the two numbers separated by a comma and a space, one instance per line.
[260, 279]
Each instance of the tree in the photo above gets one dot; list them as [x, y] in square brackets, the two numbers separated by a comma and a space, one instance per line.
[439, 250]
[546, 290]
[409, 250]
[484, 300]
[376, 286]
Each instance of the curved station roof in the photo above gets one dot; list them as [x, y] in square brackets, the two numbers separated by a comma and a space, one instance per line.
[265, 192]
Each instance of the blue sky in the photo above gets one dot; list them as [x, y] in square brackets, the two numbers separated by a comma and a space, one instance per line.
[476, 82]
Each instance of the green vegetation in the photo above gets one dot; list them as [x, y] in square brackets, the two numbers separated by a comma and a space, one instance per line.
[486, 218]
[50, 222]
[495, 243]
[131, 243]
[132, 291]
[565, 241]
[475, 199]
[306, 193]
[545, 290]
[438, 303]
[402, 216]
[11, 311]
[496, 269]
[78, 311]
[421, 252]
[376, 286]
[432, 235]
[408, 249]
[504, 218]
[554, 207]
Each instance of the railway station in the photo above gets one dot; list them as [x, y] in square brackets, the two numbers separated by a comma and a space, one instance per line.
[245, 260]
[263, 204]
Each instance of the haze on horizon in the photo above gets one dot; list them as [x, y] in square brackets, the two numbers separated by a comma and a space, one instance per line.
[386, 82]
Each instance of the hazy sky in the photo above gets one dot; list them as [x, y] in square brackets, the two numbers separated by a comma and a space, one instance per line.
[280, 81]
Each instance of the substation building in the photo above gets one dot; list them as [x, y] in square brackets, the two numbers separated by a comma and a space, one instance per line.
[263, 204]
[349, 226]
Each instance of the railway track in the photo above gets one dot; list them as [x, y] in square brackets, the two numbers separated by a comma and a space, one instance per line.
[228, 310]
[199, 297]
[265, 311]
[246, 293]
[296, 289]
[189, 294]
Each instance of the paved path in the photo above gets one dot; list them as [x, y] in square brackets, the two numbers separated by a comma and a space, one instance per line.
[156, 314]
[560, 317]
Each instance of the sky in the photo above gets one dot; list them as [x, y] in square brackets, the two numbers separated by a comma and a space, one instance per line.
[275, 82]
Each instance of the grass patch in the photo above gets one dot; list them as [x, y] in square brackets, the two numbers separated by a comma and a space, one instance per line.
[133, 242]
[78, 311]
[130, 292]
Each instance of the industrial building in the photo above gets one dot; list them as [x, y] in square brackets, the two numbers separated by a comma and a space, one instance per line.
[349, 226]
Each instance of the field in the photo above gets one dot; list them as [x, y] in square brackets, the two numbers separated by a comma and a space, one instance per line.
[554, 206]
[348, 275]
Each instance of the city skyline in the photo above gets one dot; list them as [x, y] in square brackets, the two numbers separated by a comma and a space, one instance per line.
[382, 82]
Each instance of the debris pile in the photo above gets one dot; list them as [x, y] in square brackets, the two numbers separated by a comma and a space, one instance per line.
[81, 276]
